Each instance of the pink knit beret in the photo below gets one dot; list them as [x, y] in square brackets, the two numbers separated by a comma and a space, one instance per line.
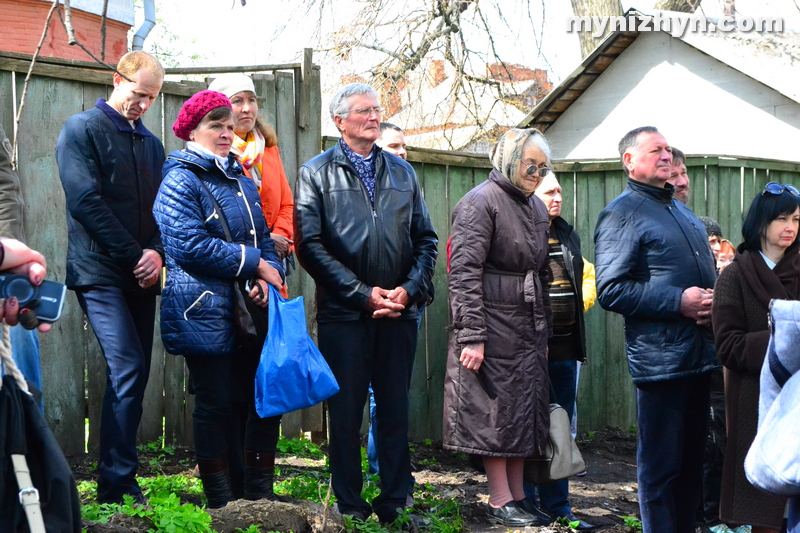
[195, 109]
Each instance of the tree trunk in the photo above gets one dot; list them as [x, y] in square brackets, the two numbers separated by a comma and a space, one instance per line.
[684, 6]
[594, 8]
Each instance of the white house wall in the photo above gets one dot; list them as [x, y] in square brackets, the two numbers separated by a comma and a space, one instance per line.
[700, 104]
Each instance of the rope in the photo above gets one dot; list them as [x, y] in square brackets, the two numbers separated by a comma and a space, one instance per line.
[8, 363]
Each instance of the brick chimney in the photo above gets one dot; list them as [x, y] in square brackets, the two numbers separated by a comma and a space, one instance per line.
[23, 22]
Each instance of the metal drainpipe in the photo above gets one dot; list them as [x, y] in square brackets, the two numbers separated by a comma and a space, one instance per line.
[147, 25]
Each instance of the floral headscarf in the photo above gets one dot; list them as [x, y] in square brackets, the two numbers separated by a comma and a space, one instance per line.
[506, 154]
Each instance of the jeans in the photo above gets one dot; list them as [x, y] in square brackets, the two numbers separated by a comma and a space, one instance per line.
[25, 352]
[123, 323]
[361, 352]
[554, 497]
[673, 423]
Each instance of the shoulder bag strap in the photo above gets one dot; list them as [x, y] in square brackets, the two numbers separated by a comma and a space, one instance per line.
[222, 220]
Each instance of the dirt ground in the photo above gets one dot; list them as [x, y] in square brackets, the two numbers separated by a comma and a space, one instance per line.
[602, 497]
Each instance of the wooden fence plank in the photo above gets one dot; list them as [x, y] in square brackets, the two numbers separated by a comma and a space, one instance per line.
[62, 353]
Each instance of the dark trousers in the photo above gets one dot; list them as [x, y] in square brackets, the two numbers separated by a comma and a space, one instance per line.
[673, 421]
[715, 450]
[123, 324]
[225, 420]
[554, 497]
[358, 353]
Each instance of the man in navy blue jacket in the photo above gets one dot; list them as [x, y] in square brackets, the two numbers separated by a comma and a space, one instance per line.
[110, 168]
[654, 267]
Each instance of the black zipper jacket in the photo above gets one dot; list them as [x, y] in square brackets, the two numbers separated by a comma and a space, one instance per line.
[348, 246]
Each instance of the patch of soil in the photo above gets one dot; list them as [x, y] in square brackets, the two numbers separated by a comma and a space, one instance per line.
[602, 497]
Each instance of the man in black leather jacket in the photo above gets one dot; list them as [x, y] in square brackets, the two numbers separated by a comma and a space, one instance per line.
[654, 267]
[363, 232]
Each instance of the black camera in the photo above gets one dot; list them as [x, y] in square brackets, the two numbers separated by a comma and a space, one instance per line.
[46, 299]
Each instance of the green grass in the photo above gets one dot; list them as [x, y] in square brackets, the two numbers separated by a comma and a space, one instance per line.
[167, 514]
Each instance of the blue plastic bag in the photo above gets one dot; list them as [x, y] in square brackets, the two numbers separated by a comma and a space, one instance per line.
[292, 373]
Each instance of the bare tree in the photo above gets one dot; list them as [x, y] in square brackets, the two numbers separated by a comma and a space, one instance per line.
[405, 49]
[599, 8]
[612, 8]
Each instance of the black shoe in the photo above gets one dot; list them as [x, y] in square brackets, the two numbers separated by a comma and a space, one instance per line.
[509, 515]
[355, 514]
[543, 518]
[582, 526]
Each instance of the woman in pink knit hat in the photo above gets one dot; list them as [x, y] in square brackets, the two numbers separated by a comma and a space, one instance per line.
[216, 240]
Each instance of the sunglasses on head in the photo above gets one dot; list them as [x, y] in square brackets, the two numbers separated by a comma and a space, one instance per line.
[777, 188]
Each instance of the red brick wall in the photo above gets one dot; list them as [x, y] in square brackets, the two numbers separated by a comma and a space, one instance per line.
[23, 22]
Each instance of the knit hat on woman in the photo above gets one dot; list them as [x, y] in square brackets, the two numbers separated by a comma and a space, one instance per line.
[230, 84]
[195, 108]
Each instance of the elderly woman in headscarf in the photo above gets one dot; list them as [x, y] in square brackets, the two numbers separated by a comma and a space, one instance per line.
[496, 387]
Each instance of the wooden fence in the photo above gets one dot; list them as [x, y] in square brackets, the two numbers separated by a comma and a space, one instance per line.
[722, 188]
[72, 366]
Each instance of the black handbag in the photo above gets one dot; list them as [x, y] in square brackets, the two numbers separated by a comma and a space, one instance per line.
[37, 490]
[250, 320]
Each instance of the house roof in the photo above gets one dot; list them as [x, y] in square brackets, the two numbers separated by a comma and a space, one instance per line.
[768, 58]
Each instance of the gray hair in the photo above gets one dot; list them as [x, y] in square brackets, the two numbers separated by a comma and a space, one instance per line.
[339, 102]
[538, 140]
[631, 140]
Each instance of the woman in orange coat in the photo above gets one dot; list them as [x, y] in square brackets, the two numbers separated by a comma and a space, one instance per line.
[256, 147]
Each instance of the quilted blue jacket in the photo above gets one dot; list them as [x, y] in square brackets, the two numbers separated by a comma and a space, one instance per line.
[648, 250]
[197, 301]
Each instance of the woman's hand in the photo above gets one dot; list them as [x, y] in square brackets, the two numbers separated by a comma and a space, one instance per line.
[269, 274]
[259, 293]
[282, 245]
[472, 356]
[20, 259]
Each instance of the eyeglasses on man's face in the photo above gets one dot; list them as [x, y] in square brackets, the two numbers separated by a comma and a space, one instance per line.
[532, 169]
[777, 188]
[364, 111]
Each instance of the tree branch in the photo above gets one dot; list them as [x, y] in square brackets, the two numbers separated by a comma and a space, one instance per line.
[25, 85]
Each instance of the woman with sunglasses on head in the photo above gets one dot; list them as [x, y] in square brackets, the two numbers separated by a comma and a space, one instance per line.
[766, 266]
[496, 401]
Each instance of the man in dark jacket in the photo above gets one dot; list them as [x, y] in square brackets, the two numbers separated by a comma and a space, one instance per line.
[110, 168]
[363, 232]
[654, 267]
[567, 346]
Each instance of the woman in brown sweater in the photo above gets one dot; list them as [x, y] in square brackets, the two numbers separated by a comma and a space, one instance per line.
[766, 266]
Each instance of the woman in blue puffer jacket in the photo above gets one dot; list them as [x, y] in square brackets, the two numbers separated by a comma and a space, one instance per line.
[235, 447]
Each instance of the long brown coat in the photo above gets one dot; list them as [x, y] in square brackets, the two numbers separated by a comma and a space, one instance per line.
[499, 296]
[741, 334]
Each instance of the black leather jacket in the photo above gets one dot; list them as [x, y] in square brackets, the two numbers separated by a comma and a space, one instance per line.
[348, 246]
